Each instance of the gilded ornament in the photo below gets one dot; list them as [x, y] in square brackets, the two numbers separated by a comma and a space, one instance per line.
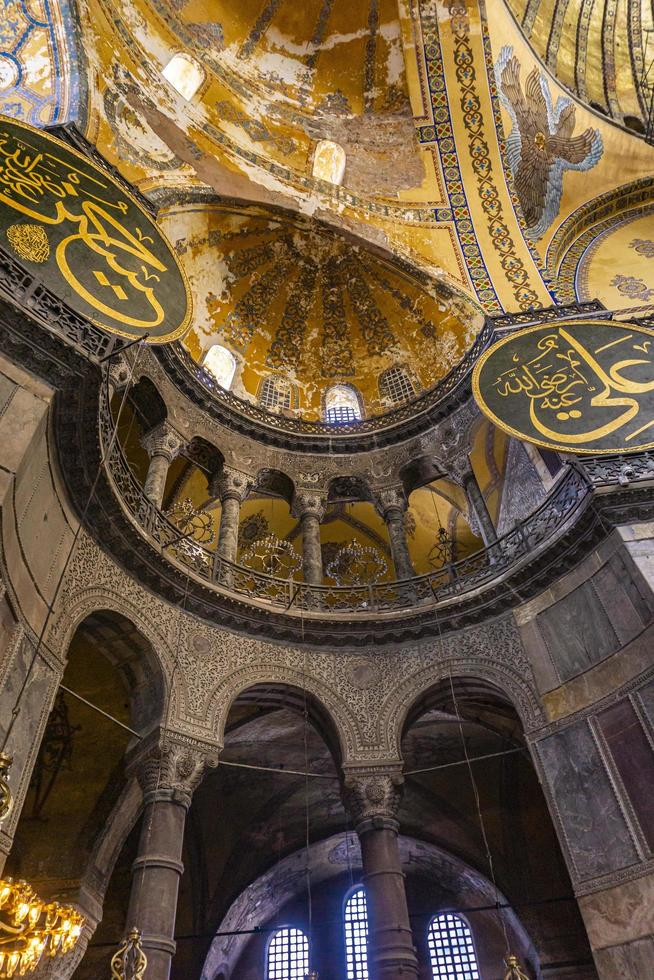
[6, 798]
[515, 971]
[130, 961]
[29, 242]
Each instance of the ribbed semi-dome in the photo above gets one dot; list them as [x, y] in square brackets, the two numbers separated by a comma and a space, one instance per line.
[296, 302]
[600, 51]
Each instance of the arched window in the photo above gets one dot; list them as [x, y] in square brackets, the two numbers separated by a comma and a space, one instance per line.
[184, 74]
[275, 393]
[452, 949]
[356, 935]
[222, 365]
[342, 405]
[329, 162]
[288, 955]
[395, 385]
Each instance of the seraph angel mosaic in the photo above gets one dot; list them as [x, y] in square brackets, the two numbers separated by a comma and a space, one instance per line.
[541, 145]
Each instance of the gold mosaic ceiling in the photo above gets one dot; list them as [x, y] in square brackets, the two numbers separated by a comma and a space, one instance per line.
[333, 56]
[596, 49]
[289, 297]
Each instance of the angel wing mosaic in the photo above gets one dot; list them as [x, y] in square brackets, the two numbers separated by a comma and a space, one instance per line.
[541, 145]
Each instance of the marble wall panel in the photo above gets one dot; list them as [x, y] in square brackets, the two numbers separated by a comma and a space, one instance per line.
[633, 757]
[593, 823]
[633, 961]
[577, 631]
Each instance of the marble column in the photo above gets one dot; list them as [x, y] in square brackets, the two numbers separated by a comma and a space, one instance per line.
[309, 508]
[479, 517]
[392, 505]
[168, 774]
[372, 797]
[163, 445]
[231, 487]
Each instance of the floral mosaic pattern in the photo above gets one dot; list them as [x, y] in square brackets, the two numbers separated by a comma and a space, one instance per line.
[39, 80]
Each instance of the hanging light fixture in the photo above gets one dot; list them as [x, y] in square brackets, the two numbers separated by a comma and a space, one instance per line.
[312, 975]
[355, 565]
[31, 928]
[515, 971]
[273, 556]
[130, 961]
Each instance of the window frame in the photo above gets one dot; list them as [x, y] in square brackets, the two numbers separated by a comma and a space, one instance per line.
[386, 396]
[272, 379]
[360, 973]
[472, 972]
[208, 369]
[191, 60]
[357, 396]
[306, 967]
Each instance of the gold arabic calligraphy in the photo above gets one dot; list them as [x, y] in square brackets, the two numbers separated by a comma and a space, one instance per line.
[566, 383]
[110, 267]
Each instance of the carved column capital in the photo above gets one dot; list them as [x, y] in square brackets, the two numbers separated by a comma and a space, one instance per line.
[118, 373]
[309, 503]
[372, 796]
[230, 483]
[390, 499]
[170, 768]
[163, 441]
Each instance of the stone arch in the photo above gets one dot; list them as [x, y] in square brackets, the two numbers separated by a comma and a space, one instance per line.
[507, 682]
[148, 404]
[275, 482]
[84, 604]
[349, 488]
[329, 709]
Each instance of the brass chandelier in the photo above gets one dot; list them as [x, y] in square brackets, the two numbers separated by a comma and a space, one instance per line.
[31, 929]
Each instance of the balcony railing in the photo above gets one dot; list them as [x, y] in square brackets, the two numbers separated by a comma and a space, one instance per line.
[570, 495]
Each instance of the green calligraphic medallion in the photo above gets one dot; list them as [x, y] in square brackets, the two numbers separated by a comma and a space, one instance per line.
[79, 234]
[584, 387]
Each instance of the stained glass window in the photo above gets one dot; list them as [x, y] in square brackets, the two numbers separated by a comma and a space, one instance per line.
[222, 365]
[184, 74]
[452, 949]
[342, 405]
[356, 935]
[288, 955]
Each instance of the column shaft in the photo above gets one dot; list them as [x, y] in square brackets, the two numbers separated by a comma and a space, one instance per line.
[311, 550]
[478, 506]
[155, 879]
[227, 546]
[390, 942]
[394, 518]
[155, 482]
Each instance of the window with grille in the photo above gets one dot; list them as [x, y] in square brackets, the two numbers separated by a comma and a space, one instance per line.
[356, 935]
[288, 955]
[451, 949]
[395, 385]
[222, 364]
[342, 405]
[275, 393]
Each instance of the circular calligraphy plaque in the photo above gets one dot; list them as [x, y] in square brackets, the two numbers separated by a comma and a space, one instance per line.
[82, 236]
[581, 387]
